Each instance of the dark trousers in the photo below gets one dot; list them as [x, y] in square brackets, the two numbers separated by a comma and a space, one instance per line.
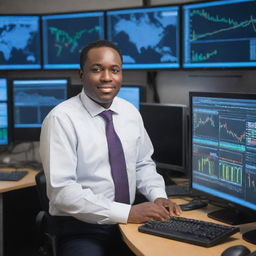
[77, 238]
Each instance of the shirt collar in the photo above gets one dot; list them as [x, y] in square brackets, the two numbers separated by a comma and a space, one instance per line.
[94, 108]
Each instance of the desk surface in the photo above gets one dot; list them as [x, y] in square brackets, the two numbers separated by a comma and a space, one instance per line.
[149, 245]
[27, 181]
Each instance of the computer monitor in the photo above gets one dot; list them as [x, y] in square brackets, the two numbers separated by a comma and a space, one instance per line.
[32, 101]
[148, 38]
[65, 35]
[166, 125]
[223, 150]
[134, 94]
[20, 42]
[219, 34]
[4, 113]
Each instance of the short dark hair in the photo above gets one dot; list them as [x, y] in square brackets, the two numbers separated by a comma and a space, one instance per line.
[97, 44]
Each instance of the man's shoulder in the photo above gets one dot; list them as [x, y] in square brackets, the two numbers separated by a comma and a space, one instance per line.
[67, 107]
[125, 105]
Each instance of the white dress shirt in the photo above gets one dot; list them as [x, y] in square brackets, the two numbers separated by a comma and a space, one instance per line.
[74, 153]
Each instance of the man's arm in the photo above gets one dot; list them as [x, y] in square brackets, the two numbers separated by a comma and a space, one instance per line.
[58, 153]
[161, 209]
[151, 185]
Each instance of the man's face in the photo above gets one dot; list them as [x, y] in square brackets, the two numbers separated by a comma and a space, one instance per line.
[102, 75]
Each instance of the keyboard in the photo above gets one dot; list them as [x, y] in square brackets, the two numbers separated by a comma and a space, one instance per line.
[187, 230]
[12, 176]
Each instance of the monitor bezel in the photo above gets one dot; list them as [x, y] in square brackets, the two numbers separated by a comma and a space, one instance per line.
[179, 36]
[183, 24]
[172, 168]
[20, 135]
[9, 130]
[223, 202]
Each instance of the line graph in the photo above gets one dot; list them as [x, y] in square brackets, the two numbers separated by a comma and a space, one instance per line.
[63, 39]
[220, 35]
[196, 57]
[234, 25]
[205, 125]
[65, 35]
[231, 157]
[233, 130]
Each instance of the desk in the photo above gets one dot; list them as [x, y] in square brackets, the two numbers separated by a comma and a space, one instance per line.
[5, 186]
[149, 245]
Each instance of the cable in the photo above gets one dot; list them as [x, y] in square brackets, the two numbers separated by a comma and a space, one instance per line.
[151, 80]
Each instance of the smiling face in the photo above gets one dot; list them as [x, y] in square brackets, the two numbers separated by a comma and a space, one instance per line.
[102, 75]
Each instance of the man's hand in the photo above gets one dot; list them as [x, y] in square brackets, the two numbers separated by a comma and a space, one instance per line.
[147, 211]
[173, 208]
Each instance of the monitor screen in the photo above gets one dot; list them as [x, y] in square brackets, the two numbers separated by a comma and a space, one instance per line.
[148, 38]
[4, 120]
[133, 94]
[167, 126]
[65, 35]
[20, 42]
[223, 147]
[219, 34]
[32, 101]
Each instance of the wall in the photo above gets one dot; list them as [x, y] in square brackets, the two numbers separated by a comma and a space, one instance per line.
[174, 86]
[53, 6]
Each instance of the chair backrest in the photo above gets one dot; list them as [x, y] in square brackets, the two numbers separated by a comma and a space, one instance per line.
[46, 245]
[41, 189]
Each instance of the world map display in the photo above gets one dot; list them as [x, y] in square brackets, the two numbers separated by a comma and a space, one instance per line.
[19, 42]
[146, 36]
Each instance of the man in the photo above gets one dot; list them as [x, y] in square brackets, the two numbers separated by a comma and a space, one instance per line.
[76, 156]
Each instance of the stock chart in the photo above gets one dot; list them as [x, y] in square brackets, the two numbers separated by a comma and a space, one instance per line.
[224, 148]
[64, 36]
[220, 34]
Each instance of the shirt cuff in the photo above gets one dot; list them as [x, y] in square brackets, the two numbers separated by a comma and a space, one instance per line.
[156, 193]
[119, 212]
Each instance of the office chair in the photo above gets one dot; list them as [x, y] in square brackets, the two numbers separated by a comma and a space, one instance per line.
[46, 240]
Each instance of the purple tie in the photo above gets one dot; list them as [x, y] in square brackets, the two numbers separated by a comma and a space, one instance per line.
[117, 160]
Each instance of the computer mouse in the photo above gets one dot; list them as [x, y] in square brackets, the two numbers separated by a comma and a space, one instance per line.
[252, 254]
[236, 250]
[192, 205]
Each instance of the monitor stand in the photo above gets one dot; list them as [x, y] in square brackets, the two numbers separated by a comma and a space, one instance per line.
[232, 216]
[250, 236]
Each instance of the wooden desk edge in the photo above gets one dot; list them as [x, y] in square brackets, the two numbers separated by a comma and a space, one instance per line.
[148, 245]
[128, 242]
[26, 181]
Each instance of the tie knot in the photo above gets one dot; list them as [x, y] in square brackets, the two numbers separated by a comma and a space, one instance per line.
[107, 115]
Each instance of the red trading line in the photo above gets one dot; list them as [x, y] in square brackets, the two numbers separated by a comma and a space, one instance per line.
[233, 134]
